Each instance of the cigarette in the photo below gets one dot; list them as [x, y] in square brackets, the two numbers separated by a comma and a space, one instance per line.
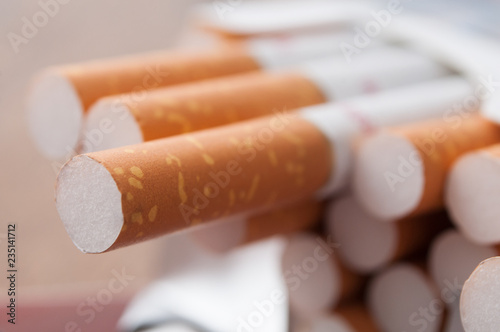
[118, 121]
[269, 161]
[402, 298]
[452, 258]
[479, 299]
[471, 192]
[367, 244]
[346, 318]
[315, 278]
[225, 235]
[118, 197]
[61, 96]
[345, 121]
[402, 171]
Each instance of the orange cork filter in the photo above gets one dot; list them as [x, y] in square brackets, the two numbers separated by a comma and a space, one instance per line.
[402, 171]
[60, 96]
[118, 197]
[228, 234]
[118, 121]
[192, 107]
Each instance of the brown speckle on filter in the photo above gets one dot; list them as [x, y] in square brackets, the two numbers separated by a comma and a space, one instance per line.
[137, 218]
[207, 192]
[64, 94]
[191, 139]
[137, 172]
[152, 213]
[171, 158]
[119, 171]
[182, 192]
[240, 181]
[253, 188]
[180, 120]
[209, 160]
[232, 99]
[272, 158]
[135, 183]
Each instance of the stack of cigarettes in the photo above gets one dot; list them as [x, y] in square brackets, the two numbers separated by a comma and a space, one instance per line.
[365, 165]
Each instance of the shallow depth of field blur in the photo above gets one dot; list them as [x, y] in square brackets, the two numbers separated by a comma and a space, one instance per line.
[54, 276]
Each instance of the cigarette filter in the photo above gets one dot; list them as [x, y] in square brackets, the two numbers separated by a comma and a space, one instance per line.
[315, 278]
[402, 171]
[344, 121]
[117, 197]
[227, 234]
[402, 298]
[61, 96]
[471, 195]
[479, 299]
[118, 121]
[452, 258]
[347, 318]
[268, 161]
[367, 244]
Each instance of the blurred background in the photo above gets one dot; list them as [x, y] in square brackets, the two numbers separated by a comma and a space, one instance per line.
[49, 265]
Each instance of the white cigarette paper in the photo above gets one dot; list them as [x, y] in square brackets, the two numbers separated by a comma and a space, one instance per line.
[342, 122]
[332, 78]
[479, 300]
[57, 102]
